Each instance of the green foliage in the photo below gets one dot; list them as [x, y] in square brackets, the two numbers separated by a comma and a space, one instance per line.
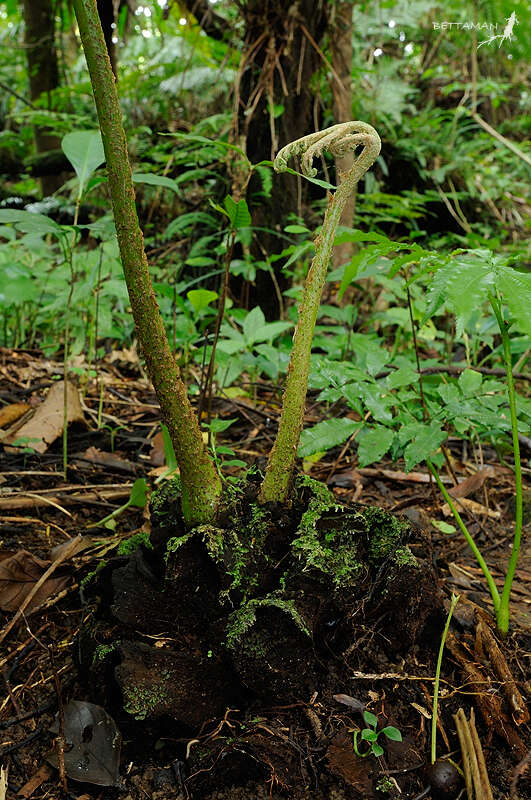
[371, 736]
[84, 150]
[137, 499]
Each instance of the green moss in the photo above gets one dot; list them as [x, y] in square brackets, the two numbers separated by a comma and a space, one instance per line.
[240, 550]
[142, 701]
[165, 505]
[174, 543]
[127, 546]
[326, 538]
[403, 557]
[103, 650]
[385, 533]
[90, 576]
[241, 621]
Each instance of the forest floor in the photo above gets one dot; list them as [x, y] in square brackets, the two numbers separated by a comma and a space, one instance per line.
[297, 750]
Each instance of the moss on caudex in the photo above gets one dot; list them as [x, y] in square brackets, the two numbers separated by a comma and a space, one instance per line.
[143, 701]
[329, 536]
[127, 546]
[103, 650]
[165, 504]
[242, 620]
[326, 536]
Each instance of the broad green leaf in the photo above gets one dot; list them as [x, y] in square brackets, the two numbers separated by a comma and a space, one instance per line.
[370, 354]
[201, 298]
[370, 719]
[369, 736]
[28, 222]
[239, 214]
[269, 331]
[377, 750]
[219, 425]
[325, 435]
[426, 440]
[392, 733]
[470, 382]
[404, 376]
[296, 229]
[138, 496]
[515, 289]
[374, 445]
[464, 284]
[156, 180]
[200, 261]
[376, 401]
[443, 527]
[84, 150]
[449, 393]
[253, 321]
[169, 452]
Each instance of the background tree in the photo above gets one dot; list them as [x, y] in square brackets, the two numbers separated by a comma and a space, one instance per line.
[43, 74]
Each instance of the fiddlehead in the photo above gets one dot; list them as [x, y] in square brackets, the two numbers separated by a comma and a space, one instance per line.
[337, 140]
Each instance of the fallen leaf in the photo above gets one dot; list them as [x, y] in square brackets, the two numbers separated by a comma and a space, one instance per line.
[12, 412]
[109, 460]
[472, 483]
[46, 425]
[19, 574]
[156, 455]
[351, 702]
[93, 744]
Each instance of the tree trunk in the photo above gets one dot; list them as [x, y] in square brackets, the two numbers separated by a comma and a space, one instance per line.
[43, 73]
[280, 55]
[341, 48]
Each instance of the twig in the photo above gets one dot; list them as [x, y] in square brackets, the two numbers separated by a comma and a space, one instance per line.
[510, 145]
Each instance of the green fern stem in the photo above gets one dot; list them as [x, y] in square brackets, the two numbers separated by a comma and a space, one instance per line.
[201, 487]
[502, 617]
[495, 595]
[337, 140]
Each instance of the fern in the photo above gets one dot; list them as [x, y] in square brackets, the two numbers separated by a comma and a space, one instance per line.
[465, 282]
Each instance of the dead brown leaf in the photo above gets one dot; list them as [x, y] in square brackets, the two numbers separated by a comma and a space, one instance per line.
[18, 576]
[109, 460]
[156, 455]
[472, 483]
[9, 414]
[46, 425]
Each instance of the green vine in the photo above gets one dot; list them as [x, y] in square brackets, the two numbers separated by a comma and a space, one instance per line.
[337, 140]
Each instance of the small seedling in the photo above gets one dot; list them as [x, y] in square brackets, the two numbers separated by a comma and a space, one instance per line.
[371, 736]
[138, 498]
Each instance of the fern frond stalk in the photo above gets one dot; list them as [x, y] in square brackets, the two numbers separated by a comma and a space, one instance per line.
[200, 483]
[337, 140]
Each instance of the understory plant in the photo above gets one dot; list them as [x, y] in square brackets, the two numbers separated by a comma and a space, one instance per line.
[201, 483]
[371, 736]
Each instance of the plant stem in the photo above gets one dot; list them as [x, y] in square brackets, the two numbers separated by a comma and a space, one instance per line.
[337, 139]
[455, 600]
[473, 546]
[200, 484]
[502, 617]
